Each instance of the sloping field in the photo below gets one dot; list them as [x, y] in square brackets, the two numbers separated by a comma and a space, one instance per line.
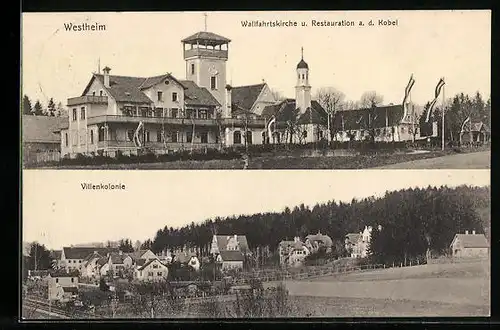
[473, 160]
[427, 290]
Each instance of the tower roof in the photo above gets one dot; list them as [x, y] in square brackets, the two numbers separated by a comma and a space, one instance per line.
[206, 38]
[302, 64]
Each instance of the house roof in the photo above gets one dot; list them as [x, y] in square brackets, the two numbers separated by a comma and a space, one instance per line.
[286, 111]
[245, 96]
[195, 95]
[56, 254]
[184, 257]
[140, 262]
[231, 256]
[93, 255]
[117, 258]
[150, 262]
[353, 237]
[102, 261]
[61, 273]
[472, 240]
[137, 254]
[71, 289]
[151, 81]
[325, 239]
[206, 37]
[83, 252]
[123, 88]
[223, 239]
[480, 126]
[41, 129]
[380, 117]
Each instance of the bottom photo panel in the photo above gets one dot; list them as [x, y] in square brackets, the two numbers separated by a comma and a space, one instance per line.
[255, 244]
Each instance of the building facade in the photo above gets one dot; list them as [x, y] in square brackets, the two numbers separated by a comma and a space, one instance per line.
[469, 245]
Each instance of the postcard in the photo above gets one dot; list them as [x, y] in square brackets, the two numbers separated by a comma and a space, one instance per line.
[256, 90]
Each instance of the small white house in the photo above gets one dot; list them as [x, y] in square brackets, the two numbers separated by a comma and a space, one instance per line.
[152, 270]
[230, 260]
[469, 245]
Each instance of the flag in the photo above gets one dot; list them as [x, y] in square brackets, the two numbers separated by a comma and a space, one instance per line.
[271, 122]
[407, 94]
[437, 91]
[465, 122]
[137, 140]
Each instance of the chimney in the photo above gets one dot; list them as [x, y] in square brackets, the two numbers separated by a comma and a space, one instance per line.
[473, 232]
[296, 239]
[106, 76]
[227, 112]
[466, 232]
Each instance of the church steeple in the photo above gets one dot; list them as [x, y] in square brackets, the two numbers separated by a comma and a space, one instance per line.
[302, 89]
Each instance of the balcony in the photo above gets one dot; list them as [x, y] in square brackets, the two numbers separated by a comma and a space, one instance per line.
[239, 122]
[217, 53]
[88, 99]
[113, 144]
[150, 120]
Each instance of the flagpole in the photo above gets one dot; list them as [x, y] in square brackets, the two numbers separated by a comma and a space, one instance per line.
[442, 121]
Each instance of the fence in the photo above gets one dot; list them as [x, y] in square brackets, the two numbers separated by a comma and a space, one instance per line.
[41, 157]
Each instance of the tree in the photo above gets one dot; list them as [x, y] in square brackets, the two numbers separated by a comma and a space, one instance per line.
[331, 100]
[102, 285]
[27, 108]
[38, 109]
[137, 245]
[39, 257]
[278, 96]
[51, 108]
[61, 111]
[126, 246]
[371, 99]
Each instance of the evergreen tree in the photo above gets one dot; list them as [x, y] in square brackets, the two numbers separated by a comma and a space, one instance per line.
[39, 257]
[51, 108]
[27, 108]
[38, 109]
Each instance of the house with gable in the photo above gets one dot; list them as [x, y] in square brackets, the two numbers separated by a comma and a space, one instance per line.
[230, 250]
[317, 241]
[475, 131]
[72, 258]
[62, 285]
[469, 245]
[187, 257]
[292, 253]
[151, 270]
[119, 262]
[40, 136]
[142, 255]
[358, 244]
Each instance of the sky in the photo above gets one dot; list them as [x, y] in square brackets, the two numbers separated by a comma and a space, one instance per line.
[57, 212]
[455, 45]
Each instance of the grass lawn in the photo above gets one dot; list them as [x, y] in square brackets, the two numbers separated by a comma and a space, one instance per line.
[279, 161]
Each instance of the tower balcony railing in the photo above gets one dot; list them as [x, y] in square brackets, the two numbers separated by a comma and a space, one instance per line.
[218, 53]
[87, 99]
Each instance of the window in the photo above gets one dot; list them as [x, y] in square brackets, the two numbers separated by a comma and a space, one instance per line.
[237, 137]
[79, 261]
[91, 136]
[155, 266]
[146, 133]
[189, 137]
[204, 137]
[249, 137]
[82, 113]
[140, 273]
[175, 112]
[130, 135]
[159, 273]
[160, 96]
[302, 76]
[298, 76]
[159, 136]
[304, 134]
[100, 93]
[93, 93]
[174, 97]
[150, 273]
[213, 82]
[57, 280]
[192, 68]
[66, 139]
[174, 137]
[72, 280]
[74, 114]
[203, 114]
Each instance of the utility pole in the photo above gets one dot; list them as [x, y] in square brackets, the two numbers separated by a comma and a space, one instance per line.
[442, 121]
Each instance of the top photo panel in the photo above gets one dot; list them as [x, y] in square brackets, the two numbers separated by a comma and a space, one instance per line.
[256, 90]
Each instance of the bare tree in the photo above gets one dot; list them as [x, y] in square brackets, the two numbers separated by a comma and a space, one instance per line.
[351, 105]
[371, 99]
[331, 100]
[278, 95]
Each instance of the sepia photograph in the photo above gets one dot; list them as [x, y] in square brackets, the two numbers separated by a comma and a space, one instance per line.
[267, 244]
[256, 90]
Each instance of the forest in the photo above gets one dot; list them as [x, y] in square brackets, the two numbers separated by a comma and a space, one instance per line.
[414, 222]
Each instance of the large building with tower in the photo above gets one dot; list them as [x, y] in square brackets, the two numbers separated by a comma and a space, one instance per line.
[123, 114]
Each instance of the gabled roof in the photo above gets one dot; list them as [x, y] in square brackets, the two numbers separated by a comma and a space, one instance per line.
[380, 117]
[195, 95]
[223, 239]
[41, 129]
[102, 261]
[151, 81]
[123, 88]
[140, 262]
[479, 127]
[94, 255]
[150, 262]
[231, 256]
[209, 37]
[472, 240]
[56, 254]
[185, 257]
[325, 239]
[137, 254]
[117, 258]
[245, 96]
[286, 111]
[83, 252]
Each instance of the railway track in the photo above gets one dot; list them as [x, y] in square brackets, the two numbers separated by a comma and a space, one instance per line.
[44, 307]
